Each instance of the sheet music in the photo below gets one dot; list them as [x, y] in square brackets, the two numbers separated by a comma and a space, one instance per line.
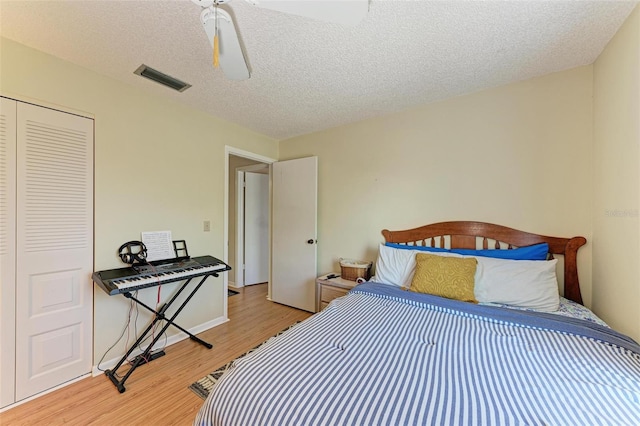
[159, 245]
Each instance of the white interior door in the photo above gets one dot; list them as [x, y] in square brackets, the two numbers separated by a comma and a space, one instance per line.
[256, 228]
[7, 250]
[54, 292]
[294, 232]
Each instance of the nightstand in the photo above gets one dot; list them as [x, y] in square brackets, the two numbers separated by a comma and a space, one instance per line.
[329, 289]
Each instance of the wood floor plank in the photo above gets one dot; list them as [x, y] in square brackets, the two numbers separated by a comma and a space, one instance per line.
[157, 392]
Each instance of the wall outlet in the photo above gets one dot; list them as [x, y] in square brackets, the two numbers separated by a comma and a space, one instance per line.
[207, 226]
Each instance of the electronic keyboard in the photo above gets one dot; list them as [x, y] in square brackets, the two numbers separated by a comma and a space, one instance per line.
[136, 277]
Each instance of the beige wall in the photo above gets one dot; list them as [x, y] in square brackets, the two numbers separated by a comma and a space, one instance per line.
[616, 230]
[158, 166]
[518, 155]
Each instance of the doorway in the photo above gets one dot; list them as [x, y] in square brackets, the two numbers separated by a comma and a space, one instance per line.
[302, 173]
[252, 225]
[234, 159]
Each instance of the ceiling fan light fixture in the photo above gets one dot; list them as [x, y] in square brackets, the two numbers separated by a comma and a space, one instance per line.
[161, 78]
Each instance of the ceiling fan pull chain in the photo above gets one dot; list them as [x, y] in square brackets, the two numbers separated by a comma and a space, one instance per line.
[216, 48]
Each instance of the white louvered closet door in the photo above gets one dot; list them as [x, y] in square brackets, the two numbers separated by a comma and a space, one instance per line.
[7, 250]
[54, 248]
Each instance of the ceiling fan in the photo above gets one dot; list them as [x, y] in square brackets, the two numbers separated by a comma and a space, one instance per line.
[222, 34]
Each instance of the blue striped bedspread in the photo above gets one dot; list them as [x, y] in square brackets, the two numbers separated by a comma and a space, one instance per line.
[383, 356]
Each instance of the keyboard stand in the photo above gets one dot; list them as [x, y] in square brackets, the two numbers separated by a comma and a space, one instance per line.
[159, 316]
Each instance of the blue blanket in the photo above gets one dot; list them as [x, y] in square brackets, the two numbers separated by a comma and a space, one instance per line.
[383, 356]
[541, 320]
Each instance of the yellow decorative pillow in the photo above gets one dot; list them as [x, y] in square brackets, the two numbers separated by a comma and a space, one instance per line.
[450, 277]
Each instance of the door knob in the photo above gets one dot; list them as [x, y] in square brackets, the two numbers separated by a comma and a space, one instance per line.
[310, 241]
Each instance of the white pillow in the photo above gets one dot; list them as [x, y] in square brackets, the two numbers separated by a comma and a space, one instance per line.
[525, 283]
[396, 266]
[393, 266]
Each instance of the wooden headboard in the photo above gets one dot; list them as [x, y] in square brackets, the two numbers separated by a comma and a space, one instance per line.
[463, 234]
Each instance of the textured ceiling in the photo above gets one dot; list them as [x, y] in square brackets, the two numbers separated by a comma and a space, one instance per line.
[308, 75]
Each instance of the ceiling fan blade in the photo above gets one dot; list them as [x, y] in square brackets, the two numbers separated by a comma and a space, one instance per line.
[231, 56]
[346, 12]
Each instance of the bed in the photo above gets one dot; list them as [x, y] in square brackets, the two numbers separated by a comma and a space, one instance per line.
[385, 355]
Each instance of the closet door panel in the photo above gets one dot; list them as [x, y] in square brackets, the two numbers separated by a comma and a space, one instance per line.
[54, 247]
[7, 249]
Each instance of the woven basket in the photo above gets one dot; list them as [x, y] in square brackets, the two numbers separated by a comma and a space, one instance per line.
[353, 269]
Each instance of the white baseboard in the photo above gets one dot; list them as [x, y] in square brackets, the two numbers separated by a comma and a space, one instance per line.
[38, 395]
[111, 363]
[233, 285]
[106, 365]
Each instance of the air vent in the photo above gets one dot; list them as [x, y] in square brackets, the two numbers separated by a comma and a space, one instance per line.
[162, 78]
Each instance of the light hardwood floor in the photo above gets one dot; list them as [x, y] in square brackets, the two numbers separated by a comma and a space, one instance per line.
[157, 393]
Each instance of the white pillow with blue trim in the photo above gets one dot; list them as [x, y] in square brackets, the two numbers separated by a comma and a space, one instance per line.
[528, 284]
